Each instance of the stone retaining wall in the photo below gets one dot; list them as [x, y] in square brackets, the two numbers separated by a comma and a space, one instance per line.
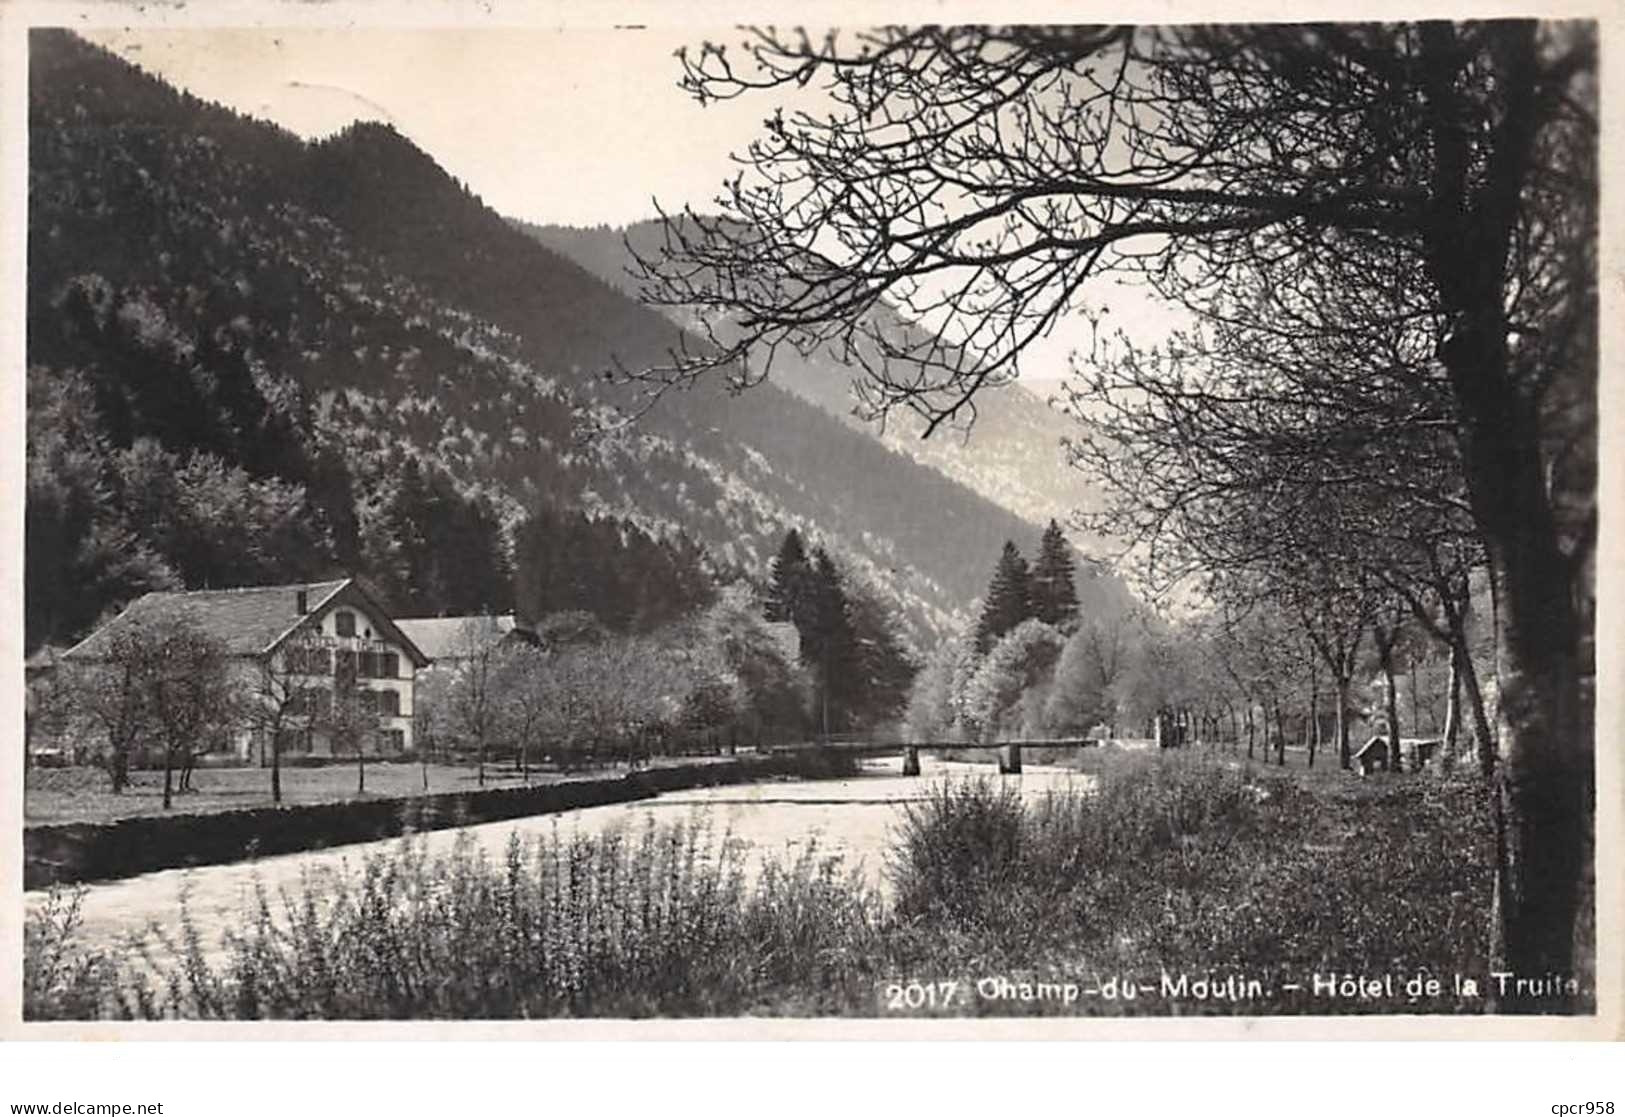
[70, 853]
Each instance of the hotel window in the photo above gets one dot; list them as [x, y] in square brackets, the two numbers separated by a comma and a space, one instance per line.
[344, 623]
[391, 667]
[308, 661]
[389, 704]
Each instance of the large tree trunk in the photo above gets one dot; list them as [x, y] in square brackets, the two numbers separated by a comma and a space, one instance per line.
[1544, 784]
[1543, 788]
[1543, 780]
[276, 766]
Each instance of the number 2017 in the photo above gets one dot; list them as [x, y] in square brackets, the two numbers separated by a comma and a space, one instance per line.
[917, 994]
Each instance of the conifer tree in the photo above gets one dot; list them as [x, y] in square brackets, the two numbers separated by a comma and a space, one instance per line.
[627, 579]
[789, 593]
[405, 525]
[828, 644]
[886, 669]
[1009, 598]
[1054, 593]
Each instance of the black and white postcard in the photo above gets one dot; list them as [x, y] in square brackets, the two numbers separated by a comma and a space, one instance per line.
[785, 527]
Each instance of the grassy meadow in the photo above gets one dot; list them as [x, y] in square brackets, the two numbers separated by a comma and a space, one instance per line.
[81, 794]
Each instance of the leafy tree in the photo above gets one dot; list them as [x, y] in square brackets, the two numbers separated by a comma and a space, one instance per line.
[281, 701]
[1020, 664]
[1009, 598]
[110, 697]
[80, 553]
[348, 717]
[522, 685]
[1110, 646]
[1078, 694]
[162, 682]
[1053, 587]
[187, 693]
[431, 690]
[707, 706]
[1334, 611]
[214, 524]
[1387, 636]
[930, 715]
[1152, 681]
[473, 701]
[605, 697]
[570, 628]
[1261, 654]
[770, 694]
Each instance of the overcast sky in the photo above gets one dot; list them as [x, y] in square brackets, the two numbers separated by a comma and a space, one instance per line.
[573, 127]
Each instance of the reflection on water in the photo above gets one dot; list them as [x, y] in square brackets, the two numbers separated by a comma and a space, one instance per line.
[852, 818]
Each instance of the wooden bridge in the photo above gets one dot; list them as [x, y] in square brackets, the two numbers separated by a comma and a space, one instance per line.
[1007, 753]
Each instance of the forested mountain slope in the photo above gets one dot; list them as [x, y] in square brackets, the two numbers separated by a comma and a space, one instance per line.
[239, 341]
[1012, 454]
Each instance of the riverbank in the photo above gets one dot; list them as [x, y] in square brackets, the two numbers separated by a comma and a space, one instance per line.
[77, 852]
[1183, 885]
[53, 796]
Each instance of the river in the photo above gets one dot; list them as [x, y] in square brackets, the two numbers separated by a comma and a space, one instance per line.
[850, 817]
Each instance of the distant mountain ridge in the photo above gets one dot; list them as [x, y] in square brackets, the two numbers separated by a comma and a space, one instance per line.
[1012, 455]
[317, 314]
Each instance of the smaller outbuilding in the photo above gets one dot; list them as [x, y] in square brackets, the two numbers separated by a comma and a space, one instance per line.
[447, 641]
[1372, 755]
[1413, 754]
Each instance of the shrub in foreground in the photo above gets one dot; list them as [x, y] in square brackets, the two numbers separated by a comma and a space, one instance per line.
[664, 922]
